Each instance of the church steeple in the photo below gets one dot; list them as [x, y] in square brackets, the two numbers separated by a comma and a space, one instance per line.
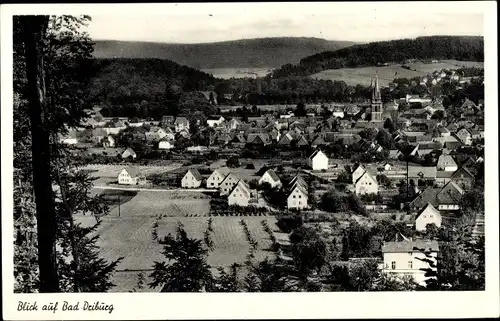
[376, 101]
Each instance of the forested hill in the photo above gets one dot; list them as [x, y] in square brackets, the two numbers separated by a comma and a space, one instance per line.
[132, 85]
[395, 51]
[244, 53]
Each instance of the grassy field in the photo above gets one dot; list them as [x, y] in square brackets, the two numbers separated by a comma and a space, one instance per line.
[227, 73]
[130, 236]
[106, 174]
[386, 74]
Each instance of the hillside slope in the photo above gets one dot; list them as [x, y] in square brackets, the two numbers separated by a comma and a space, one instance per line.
[261, 52]
[469, 48]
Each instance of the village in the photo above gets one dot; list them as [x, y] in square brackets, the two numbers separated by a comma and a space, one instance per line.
[408, 165]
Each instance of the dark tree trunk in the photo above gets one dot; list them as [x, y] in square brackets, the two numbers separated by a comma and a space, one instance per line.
[34, 28]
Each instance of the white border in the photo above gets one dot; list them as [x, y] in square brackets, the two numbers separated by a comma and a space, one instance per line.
[271, 305]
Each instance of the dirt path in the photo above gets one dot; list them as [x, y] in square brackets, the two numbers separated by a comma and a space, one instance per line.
[155, 189]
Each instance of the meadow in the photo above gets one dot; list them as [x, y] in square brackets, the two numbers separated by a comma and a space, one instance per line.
[130, 237]
[228, 73]
[386, 74]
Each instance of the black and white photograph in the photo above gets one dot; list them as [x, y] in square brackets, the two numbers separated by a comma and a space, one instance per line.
[240, 148]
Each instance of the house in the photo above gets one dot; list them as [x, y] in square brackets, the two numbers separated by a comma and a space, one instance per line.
[302, 142]
[318, 161]
[98, 135]
[424, 174]
[443, 177]
[427, 215]
[463, 178]
[215, 121]
[297, 198]
[234, 124]
[446, 163]
[155, 134]
[109, 141]
[407, 258]
[192, 179]
[297, 180]
[166, 144]
[167, 121]
[181, 124]
[70, 138]
[217, 176]
[468, 104]
[271, 178]
[366, 184]
[258, 139]
[448, 198]
[228, 183]
[131, 176]
[285, 140]
[240, 194]
[129, 152]
[357, 173]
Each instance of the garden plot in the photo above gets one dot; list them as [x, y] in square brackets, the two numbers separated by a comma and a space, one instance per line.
[130, 237]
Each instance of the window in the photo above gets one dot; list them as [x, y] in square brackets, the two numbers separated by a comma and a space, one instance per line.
[300, 196]
[299, 203]
[410, 264]
[293, 196]
[393, 265]
[211, 184]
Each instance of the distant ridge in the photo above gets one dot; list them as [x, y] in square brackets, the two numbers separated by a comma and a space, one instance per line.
[464, 48]
[243, 53]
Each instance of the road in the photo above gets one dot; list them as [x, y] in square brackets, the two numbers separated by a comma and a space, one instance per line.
[156, 189]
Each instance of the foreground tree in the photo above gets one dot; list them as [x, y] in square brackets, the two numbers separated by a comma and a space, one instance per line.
[186, 269]
[49, 87]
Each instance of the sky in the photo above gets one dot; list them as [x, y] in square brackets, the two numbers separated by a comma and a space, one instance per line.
[360, 22]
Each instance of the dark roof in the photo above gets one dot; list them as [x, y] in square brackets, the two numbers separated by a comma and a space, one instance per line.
[273, 175]
[410, 246]
[195, 173]
[133, 171]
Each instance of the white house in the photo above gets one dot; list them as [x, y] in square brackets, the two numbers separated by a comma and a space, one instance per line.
[407, 259]
[465, 136]
[357, 173]
[214, 180]
[215, 121]
[297, 199]
[240, 194]
[109, 141]
[366, 184]
[131, 176]
[181, 124]
[129, 152]
[428, 215]
[271, 178]
[166, 144]
[70, 138]
[228, 183]
[192, 179]
[318, 161]
[446, 163]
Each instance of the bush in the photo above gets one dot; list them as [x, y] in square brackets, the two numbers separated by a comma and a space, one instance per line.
[233, 162]
[250, 166]
[289, 223]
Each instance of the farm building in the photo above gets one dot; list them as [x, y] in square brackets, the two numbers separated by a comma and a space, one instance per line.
[131, 176]
[192, 179]
[428, 215]
[271, 178]
[129, 152]
[240, 195]
[357, 173]
[318, 161]
[215, 121]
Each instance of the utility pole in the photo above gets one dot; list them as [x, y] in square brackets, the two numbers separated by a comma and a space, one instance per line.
[119, 202]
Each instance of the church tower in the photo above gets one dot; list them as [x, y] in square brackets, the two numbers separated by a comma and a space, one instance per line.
[376, 102]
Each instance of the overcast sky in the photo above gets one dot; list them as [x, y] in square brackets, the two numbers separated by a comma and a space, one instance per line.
[363, 22]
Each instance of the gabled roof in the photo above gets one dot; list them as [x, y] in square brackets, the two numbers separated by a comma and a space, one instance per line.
[367, 174]
[316, 153]
[410, 246]
[273, 175]
[427, 207]
[195, 173]
[232, 176]
[181, 120]
[297, 180]
[461, 171]
[133, 171]
[243, 187]
[299, 187]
